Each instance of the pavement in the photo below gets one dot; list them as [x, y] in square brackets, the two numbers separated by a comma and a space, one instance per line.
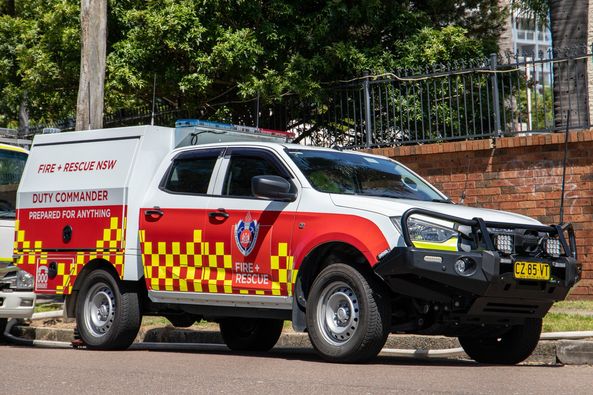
[570, 352]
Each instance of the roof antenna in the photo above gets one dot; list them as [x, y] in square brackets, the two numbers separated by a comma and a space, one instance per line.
[564, 167]
[153, 99]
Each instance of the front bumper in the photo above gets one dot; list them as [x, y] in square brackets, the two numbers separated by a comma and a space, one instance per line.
[492, 289]
[16, 304]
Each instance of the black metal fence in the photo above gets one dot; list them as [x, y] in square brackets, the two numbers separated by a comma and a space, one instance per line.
[499, 96]
[526, 93]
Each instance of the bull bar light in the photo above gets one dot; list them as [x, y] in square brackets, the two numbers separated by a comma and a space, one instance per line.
[552, 247]
[504, 243]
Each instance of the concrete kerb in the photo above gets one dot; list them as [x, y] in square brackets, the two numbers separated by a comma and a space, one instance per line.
[547, 351]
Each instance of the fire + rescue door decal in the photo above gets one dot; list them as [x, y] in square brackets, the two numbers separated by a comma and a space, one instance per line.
[232, 252]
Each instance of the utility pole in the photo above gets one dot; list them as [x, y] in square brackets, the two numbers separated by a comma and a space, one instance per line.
[93, 27]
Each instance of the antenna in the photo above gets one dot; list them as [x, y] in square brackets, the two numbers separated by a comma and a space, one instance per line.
[564, 167]
[153, 99]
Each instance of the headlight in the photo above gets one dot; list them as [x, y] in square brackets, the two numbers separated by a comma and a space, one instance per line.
[430, 236]
[24, 281]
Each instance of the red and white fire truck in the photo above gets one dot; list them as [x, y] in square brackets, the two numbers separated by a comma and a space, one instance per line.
[233, 225]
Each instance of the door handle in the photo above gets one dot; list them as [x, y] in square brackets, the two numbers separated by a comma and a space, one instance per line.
[155, 211]
[221, 214]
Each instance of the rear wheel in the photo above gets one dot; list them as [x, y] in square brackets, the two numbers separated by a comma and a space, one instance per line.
[250, 334]
[347, 317]
[509, 349]
[107, 316]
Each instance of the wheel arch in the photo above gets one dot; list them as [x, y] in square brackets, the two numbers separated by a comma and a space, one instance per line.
[95, 264]
[314, 262]
[325, 254]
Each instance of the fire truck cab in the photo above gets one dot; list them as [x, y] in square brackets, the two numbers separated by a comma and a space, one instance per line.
[234, 225]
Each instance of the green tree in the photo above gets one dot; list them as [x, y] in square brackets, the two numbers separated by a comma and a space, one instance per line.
[39, 55]
[213, 56]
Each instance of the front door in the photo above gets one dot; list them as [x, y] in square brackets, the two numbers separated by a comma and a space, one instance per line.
[250, 236]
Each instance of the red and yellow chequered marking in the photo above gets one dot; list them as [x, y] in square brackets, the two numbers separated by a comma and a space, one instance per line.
[197, 267]
[22, 244]
[281, 269]
[173, 266]
[71, 264]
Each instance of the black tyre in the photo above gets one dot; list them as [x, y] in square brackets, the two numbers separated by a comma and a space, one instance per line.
[250, 334]
[3, 322]
[509, 349]
[347, 317]
[107, 316]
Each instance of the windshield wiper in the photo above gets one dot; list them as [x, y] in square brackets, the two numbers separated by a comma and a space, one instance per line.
[449, 201]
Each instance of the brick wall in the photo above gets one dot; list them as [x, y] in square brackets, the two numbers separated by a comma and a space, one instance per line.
[518, 174]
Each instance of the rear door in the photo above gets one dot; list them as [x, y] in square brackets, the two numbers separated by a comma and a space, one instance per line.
[172, 222]
[249, 238]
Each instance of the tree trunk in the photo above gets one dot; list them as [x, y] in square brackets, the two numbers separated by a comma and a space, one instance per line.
[590, 63]
[24, 116]
[10, 10]
[569, 22]
[505, 41]
[93, 22]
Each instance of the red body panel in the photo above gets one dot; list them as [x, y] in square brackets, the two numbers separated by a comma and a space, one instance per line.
[186, 250]
[55, 261]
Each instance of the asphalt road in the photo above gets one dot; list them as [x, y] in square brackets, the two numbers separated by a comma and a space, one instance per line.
[67, 371]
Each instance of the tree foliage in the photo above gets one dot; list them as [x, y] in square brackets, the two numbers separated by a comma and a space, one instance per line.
[39, 56]
[208, 53]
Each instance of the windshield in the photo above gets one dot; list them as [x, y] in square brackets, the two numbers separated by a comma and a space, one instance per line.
[12, 164]
[355, 174]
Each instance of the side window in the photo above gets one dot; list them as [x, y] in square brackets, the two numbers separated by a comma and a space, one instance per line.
[191, 172]
[240, 171]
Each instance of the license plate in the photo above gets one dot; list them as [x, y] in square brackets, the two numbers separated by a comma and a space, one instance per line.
[532, 271]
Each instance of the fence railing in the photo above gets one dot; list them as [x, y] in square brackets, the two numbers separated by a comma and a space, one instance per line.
[499, 96]
[526, 93]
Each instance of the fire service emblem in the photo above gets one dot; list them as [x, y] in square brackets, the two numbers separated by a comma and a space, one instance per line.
[246, 234]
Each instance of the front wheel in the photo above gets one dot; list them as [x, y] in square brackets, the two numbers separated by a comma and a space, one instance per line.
[347, 316]
[3, 322]
[107, 316]
[513, 347]
[250, 334]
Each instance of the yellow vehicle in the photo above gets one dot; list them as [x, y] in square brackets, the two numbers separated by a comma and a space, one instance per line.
[17, 299]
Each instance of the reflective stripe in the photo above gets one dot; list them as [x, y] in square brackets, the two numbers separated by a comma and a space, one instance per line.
[449, 245]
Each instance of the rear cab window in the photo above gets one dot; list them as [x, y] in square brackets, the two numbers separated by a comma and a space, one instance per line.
[191, 172]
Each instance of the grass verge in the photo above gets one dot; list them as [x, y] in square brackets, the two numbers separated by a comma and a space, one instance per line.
[563, 322]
